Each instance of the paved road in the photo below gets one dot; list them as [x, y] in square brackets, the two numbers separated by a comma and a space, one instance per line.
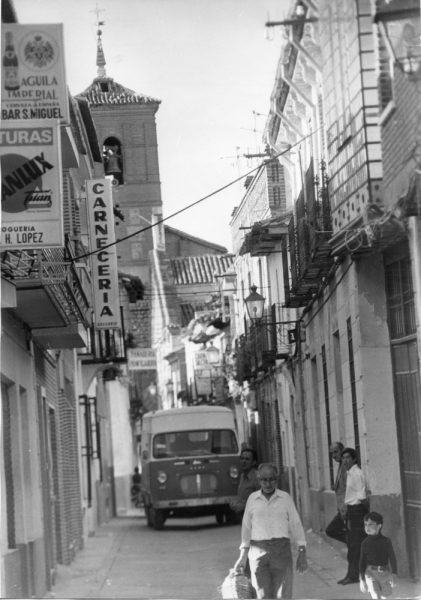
[188, 559]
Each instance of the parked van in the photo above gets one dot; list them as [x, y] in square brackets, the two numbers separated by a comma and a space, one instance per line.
[190, 463]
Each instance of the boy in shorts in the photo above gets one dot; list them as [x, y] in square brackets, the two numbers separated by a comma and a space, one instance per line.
[378, 565]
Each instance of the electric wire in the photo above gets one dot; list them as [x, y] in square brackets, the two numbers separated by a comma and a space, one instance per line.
[217, 191]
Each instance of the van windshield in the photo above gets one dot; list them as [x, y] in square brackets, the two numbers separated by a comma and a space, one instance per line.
[194, 443]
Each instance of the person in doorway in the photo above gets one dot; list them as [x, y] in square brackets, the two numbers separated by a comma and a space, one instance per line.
[135, 490]
[337, 527]
[356, 508]
[378, 566]
[248, 481]
[270, 518]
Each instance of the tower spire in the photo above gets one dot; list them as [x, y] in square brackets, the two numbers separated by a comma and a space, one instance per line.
[100, 56]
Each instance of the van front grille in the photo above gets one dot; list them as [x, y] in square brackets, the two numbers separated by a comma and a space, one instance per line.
[200, 484]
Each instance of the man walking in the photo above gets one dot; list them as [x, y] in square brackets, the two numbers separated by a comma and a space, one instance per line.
[270, 517]
[337, 527]
[248, 481]
[356, 507]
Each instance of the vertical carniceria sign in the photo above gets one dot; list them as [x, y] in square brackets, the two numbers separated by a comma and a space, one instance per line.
[104, 257]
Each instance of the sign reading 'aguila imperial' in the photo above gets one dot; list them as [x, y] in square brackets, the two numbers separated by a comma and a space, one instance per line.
[31, 184]
[104, 257]
[33, 82]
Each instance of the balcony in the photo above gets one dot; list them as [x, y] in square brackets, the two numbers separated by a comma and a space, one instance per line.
[264, 236]
[309, 232]
[243, 359]
[51, 296]
[266, 342]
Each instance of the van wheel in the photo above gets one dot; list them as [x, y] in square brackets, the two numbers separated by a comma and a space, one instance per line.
[157, 518]
[220, 515]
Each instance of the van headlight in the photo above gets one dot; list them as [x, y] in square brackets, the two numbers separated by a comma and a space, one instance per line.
[161, 477]
[234, 472]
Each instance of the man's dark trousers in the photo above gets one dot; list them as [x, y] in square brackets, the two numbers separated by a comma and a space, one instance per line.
[337, 528]
[356, 534]
[271, 568]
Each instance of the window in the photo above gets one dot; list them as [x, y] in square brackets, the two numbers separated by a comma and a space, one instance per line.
[113, 159]
[353, 385]
[277, 196]
[199, 442]
[327, 408]
[275, 171]
[400, 297]
[9, 490]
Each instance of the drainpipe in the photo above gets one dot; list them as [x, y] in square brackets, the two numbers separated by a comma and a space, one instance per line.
[301, 459]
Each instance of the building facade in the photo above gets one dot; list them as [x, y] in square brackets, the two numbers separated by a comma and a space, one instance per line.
[343, 96]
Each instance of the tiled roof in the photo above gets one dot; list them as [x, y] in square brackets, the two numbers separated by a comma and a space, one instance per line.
[104, 90]
[200, 269]
[188, 236]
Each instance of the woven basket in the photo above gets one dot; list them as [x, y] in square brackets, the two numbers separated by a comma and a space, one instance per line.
[237, 587]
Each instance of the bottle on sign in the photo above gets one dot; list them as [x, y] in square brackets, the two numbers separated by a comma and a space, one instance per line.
[10, 64]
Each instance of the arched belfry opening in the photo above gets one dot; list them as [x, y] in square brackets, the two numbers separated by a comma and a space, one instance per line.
[113, 159]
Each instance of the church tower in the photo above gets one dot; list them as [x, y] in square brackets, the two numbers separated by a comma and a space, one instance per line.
[126, 128]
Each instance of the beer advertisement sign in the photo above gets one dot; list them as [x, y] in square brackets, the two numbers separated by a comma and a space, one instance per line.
[33, 82]
[31, 185]
[104, 254]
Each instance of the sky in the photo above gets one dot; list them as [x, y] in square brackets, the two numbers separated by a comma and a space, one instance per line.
[212, 68]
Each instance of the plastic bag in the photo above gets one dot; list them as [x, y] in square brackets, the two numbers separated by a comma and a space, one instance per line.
[237, 586]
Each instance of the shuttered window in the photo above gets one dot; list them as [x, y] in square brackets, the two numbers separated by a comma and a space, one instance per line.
[8, 468]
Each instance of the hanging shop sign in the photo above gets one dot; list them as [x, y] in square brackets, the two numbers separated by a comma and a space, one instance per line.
[141, 359]
[203, 378]
[104, 257]
[201, 359]
[31, 182]
[33, 81]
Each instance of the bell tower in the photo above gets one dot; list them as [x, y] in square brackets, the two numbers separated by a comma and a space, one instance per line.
[126, 128]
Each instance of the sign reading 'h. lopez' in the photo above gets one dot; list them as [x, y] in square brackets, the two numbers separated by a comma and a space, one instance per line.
[31, 184]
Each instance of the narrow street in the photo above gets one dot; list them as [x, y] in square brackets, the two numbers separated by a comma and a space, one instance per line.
[187, 559]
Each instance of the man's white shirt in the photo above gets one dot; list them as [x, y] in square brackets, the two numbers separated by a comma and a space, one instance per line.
[356, 489]
[274, 518]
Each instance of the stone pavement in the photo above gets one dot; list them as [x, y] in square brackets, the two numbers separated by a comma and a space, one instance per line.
[102, 563]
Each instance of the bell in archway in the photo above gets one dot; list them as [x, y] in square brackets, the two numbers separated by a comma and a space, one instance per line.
[112, 166]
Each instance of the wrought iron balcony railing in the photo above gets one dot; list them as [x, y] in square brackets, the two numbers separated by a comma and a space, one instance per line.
[308, 235]
[52, 270]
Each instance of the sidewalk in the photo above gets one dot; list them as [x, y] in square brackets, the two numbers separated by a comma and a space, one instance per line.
[106, 560]
[327, 564]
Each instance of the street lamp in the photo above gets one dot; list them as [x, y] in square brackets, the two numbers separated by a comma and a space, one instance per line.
[213, 354]
[255, 304]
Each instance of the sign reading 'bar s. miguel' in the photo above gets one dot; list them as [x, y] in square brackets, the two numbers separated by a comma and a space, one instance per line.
[31, 185]
[104, 257]
[33, 75]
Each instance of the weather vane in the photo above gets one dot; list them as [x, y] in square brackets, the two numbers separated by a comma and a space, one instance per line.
[100, 59]
[99, 23]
